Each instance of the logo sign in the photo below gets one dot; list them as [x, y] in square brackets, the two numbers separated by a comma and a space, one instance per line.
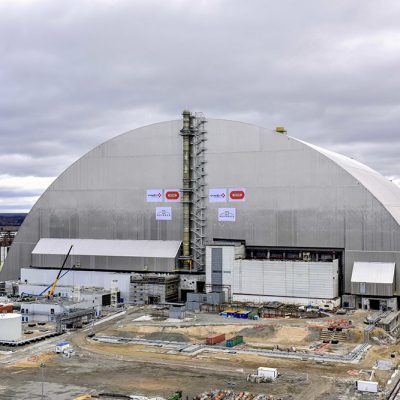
[226, 214]
[163, 213]
[237, 194]
[154, 195]
[172, 195]
[217, 195]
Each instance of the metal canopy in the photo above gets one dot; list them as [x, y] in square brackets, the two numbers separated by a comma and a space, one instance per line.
[373, 272]
[110, 248]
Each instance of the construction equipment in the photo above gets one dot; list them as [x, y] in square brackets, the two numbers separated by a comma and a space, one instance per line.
[53, 286]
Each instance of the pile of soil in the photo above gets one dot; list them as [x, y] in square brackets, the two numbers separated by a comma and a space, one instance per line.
[258, 332]
[314, 333]
[167, 336]
[355, 335]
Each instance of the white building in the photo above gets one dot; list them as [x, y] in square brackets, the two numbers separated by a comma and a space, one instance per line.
[259, 281]
[48, 310]
[34, 281]
[10, 327]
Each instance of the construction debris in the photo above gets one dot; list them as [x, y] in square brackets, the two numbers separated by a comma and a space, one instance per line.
[230, 395]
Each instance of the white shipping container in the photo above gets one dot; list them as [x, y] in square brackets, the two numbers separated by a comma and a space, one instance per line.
[271, 373]
[61, 347]
[10, 327]
[367, 386]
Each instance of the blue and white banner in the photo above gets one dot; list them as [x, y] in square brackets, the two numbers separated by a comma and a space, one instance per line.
[217, 195]
[163, 213]
[226, 214]
[154, 196]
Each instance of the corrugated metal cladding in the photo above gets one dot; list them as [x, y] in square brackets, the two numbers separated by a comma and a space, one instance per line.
[110, 248]
[216, 269]
[78, 278]
[272, 278]
[296, 196]
[372, 289]
[286, 278]
[122, 255]
[373, 279]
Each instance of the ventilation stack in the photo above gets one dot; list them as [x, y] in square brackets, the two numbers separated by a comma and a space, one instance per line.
[193, 191]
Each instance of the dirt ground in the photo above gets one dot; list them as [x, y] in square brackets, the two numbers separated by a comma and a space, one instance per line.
[32, 361]
[280, 332]
[158, 371]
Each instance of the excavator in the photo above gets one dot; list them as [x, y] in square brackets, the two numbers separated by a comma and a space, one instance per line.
[50, 294]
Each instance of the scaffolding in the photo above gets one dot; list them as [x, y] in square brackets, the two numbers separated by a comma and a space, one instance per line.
[153, 288]
[74, 319]
[198, 199]
[194, 190]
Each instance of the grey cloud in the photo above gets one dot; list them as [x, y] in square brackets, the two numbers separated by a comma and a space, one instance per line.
[75, 73]
[18, 193]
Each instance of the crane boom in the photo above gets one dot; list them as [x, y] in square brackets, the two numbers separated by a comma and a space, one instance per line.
[53, 286]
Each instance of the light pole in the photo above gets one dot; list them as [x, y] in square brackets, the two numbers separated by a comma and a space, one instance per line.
[42, 365]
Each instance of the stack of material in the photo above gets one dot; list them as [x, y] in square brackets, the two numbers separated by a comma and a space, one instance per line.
[334, 335]
[6, 308]
[230, 395]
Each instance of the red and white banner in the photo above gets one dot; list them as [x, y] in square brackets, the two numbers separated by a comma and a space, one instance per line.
[154, 195]
[172, 195]
[237, 194]
[217, 195]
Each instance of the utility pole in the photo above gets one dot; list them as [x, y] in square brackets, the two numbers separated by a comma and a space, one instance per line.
[42, 365]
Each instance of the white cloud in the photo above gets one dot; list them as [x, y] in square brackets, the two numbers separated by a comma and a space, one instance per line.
[8, 182]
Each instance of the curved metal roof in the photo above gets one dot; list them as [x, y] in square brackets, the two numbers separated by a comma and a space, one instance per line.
[297, 194]
[385, 191]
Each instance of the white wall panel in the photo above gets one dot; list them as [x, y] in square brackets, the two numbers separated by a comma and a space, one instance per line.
[276, 278]
[100, 279]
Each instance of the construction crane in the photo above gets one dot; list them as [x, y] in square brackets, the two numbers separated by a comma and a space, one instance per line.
[53, 286]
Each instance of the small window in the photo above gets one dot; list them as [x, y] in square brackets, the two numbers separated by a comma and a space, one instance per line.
[26, 319]
[51, 310]
[22, 312]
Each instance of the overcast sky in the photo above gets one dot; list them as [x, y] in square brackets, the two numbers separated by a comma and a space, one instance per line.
[76, 73]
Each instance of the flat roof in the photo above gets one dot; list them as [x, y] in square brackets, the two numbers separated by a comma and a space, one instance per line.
[109, 248]
[9, 316]
[373, 272]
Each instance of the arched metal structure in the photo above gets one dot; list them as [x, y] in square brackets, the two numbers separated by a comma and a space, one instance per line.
[297, 195]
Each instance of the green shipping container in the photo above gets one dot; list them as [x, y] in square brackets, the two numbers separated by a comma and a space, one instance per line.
[234, 341]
